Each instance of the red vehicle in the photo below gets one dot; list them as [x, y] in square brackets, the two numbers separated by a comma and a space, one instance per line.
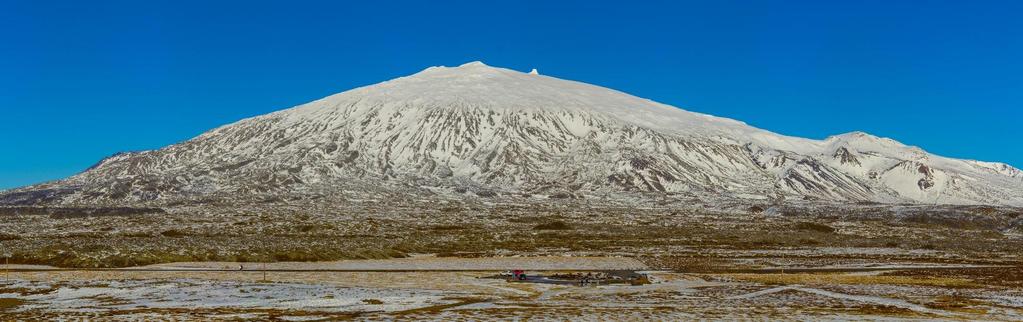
[519, 274]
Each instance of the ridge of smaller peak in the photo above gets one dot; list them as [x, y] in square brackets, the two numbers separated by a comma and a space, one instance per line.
[854, 135]
[473, 64]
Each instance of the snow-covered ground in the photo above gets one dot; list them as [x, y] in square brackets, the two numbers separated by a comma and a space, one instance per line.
[127, 295]
[430, 263]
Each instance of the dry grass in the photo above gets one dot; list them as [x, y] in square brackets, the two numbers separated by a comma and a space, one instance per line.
[873, 311]
[829, 278]
[554, 225]
[10, 303]
[1008, 277]
[957, 303]
[437, 308]
[319, 233]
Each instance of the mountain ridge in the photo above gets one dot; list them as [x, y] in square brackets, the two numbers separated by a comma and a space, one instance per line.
[504, 133]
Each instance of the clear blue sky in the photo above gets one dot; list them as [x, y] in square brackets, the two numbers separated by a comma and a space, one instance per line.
[85, 79]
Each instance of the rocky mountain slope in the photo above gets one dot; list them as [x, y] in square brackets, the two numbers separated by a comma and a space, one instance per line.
[480, 131]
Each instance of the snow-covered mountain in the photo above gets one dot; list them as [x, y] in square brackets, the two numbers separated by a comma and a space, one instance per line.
[482, 131]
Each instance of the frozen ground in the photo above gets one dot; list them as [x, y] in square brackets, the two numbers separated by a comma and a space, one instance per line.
[432, 263]
[747, 263]
[969, 294]
[131, 297]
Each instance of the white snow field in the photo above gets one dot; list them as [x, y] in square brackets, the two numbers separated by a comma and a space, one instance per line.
[500, 133]
[445, 296]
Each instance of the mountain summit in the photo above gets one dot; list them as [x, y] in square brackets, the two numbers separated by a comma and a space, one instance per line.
[481, 131]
